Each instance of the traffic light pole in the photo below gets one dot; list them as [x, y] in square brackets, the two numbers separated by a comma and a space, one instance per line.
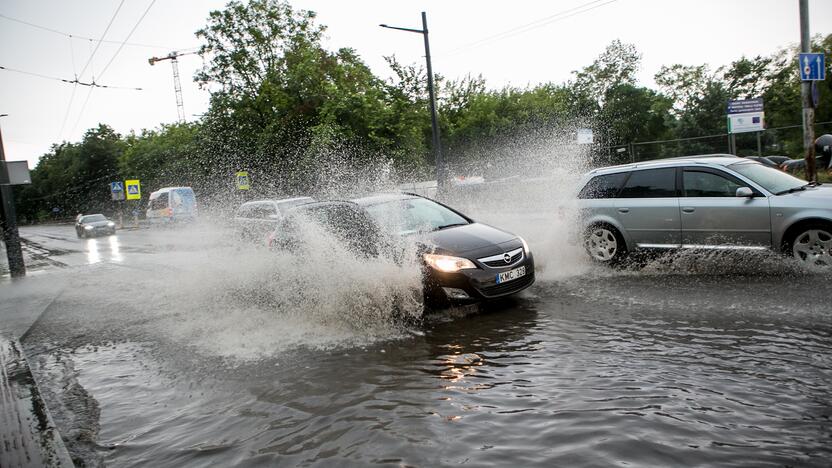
[10, 235]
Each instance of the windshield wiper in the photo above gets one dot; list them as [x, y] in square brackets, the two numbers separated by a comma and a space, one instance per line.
[794, 189]
[449, 225]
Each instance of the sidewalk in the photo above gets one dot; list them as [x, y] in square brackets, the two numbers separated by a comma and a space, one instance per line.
[28, 436]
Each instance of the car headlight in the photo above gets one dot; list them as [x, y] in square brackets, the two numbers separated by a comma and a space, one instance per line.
[111, 224]
[525, 245]
[88, 228]
[448, 263]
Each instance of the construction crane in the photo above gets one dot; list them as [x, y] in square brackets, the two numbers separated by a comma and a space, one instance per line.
[177, 87]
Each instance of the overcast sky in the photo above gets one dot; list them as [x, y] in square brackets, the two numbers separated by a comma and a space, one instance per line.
[561, 36]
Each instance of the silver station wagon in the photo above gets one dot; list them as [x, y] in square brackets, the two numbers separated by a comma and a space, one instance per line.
[704, 202]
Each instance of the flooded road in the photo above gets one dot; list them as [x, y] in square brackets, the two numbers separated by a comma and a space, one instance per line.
[181, 350]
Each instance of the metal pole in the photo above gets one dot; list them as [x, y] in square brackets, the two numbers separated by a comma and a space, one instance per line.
[17, 267]
[437, 149]
[759, 144]
[806, 96]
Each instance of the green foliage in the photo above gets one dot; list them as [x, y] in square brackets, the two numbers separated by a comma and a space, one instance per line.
[73, 177]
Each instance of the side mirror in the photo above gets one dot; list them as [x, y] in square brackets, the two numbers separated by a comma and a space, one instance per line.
[745, 192]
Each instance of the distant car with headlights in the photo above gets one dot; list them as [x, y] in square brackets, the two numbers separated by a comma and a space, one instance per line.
[94, 225]
[704, 202]
[462, 261]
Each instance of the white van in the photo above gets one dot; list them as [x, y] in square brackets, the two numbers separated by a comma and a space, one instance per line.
[172, 204]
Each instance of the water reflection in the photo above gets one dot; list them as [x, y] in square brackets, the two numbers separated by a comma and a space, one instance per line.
[456, 368]
[115, 251]
[95, 254]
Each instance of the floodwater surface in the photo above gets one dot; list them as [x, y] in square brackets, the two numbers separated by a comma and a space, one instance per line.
[708, 362]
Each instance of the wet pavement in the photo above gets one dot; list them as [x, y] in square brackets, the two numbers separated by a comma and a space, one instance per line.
[177, 347]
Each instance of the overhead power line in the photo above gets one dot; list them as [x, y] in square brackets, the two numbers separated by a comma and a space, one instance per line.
[86, 38]
[104, 70]
[74, 81]
[121, 46]
[97, 45]
[562, 15]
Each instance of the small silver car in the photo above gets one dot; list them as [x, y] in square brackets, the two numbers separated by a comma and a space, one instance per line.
[255, 220]
[704, 202]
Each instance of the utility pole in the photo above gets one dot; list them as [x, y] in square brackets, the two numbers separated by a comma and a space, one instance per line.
[11, 237]
[806, 96]
[177, 86]
[441, 174]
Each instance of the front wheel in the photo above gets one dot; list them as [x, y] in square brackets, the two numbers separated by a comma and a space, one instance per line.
[812, 246]
[604, 244]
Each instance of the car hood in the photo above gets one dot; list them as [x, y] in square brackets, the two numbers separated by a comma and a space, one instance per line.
[461, 239]
[813, 196]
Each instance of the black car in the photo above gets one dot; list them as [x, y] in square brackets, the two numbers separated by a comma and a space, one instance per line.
[93, 225]
[463, 261]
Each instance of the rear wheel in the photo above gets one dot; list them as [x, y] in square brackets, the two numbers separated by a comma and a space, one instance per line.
[604, 244]
[812, 245]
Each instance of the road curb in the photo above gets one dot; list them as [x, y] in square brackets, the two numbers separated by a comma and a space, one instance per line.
[28, 435]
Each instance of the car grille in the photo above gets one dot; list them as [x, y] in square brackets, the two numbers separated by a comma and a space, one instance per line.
[497, 261]
[509, 287]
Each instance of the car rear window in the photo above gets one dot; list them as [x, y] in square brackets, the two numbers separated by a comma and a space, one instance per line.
[650, 183]
[603, 186]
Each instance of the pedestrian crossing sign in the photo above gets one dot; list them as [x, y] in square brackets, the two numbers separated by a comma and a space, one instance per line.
[134, 191]
[117, 190]
[243, 182]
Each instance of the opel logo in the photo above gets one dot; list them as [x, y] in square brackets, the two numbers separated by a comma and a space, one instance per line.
[507, 258]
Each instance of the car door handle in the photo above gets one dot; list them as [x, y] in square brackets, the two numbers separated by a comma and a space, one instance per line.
[688, 209]
[623, 210]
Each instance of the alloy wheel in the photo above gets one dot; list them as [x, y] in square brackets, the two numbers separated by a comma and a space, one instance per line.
[602, 244]
[814, 247]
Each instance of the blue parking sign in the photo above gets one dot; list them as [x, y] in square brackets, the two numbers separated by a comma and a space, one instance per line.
[812, 67]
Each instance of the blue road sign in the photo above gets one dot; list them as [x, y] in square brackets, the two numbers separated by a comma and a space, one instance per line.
[117, 190]
[812, 67]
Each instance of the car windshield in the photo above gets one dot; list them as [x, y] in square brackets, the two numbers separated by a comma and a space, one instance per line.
[93, 218]
[771, 179]
[409, 215]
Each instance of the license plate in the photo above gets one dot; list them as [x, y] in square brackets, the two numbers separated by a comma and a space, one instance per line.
[511, 275]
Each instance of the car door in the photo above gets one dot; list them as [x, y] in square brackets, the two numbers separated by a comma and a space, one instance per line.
[713, 215]
[648, 208]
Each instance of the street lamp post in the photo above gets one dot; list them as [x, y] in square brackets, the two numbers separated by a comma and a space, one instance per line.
[437, 149]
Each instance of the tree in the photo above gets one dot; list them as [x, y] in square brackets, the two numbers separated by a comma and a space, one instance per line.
[246, 41]
[616, 66]
[74, 177]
